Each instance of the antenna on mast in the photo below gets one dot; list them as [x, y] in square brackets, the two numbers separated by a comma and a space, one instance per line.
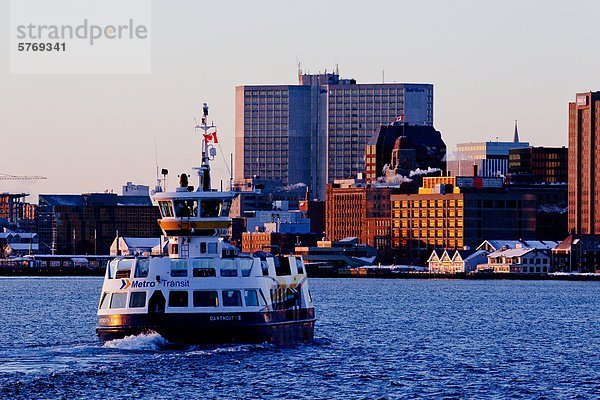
[207, 151]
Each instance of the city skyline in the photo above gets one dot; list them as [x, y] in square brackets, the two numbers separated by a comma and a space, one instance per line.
[88, 133]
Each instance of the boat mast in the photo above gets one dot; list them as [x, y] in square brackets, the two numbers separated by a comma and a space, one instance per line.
[204, 169]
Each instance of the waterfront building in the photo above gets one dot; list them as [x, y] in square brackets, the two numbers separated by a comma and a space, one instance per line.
[88, 223]
[523, 260]
[276, 243]
[538, 165]
[455, 261]
[343, 253]
[463, 214]
[13, 244]
[577, 253]
[402, 150]
[315, 132]
[492, 245]
[584, 163]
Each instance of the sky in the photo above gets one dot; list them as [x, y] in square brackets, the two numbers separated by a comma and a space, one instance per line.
[490, 63]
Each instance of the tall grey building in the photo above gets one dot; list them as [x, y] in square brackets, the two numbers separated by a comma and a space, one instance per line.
[316, 131]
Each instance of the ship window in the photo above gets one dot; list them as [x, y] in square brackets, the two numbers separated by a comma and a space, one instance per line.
[137, 300]
[204, 272]
[206, 298]
[225, 208]
[202, 247]
[118, 300]
[211, 208]
[229, 268]
[179, 268]
[232, 298]
[112, 268]
[213, 248]
[251, 298]
[123, 274]
[299, 266]
[178, 298]
[283, 268]
[245, 266]
[265, 268]
[165, 208]
[141, 268]
[186, 208]
[105, 300]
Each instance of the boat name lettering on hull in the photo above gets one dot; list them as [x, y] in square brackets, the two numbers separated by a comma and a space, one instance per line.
[225, 317]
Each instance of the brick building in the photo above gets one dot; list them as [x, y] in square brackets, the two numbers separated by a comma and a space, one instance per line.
[359, 211]
[453, 219]
[584, 163]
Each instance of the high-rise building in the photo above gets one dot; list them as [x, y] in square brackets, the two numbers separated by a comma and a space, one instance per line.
[584, 163]
[538, 164]
[316, 131]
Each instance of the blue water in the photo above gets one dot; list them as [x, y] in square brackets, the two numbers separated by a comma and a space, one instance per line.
[375, 339]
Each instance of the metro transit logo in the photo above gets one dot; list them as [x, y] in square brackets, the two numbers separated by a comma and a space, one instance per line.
[125, 284]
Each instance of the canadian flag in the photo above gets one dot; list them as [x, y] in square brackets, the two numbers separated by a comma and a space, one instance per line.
[211, 137]
[400, 118]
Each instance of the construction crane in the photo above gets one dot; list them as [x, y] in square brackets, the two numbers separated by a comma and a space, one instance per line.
[7, 177]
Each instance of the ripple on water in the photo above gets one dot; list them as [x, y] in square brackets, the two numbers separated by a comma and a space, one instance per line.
[374, 339]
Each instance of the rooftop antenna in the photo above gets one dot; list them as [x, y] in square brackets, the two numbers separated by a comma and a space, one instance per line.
[383, 75]
[337, 69]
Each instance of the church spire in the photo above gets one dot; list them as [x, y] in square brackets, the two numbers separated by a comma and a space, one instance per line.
[516, 137]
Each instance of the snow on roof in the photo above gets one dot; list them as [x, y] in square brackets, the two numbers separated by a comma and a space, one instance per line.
[511, 252]
[513, 244]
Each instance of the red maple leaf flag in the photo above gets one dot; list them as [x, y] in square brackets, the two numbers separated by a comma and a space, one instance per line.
[211, 137]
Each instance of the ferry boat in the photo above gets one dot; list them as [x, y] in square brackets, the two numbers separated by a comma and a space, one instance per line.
[205, 290]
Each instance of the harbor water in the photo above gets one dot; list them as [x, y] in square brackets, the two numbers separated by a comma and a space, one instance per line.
[374, 339]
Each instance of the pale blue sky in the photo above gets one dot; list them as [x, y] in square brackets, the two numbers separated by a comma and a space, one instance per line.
[490, 63]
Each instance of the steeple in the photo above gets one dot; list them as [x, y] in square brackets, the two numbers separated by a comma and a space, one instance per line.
[516, 137]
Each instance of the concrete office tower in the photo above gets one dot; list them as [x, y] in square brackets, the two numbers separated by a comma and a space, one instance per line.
[316, 131]
[491, 158]
[584, 163]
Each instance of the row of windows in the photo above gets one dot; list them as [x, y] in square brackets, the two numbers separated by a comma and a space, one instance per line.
[179, 298]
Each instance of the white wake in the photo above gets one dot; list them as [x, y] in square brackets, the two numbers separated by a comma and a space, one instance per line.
[143, 341]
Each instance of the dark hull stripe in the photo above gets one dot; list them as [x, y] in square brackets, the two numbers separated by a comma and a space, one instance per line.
[246, 327]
